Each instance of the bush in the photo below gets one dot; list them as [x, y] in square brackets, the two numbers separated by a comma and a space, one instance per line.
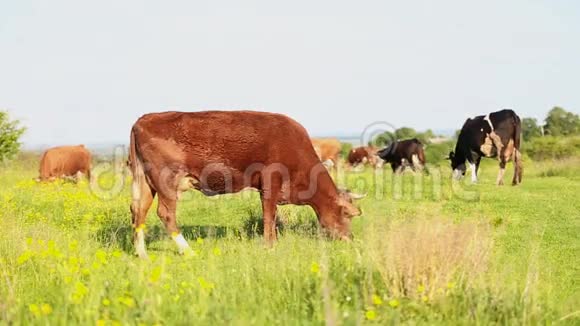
[436, 153]
[546, 148]
[345, 149]
[10, 133]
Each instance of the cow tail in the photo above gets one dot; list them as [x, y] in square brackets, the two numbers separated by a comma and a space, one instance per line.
[135, 163]
[422, 160]
[519, 167]
[518, 134]
[43, 171]
[422, 155]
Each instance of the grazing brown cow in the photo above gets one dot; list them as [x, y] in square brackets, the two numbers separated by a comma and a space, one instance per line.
[327, 149]
[220, 152]
[403, 153]
[363, 155]
[65, 161]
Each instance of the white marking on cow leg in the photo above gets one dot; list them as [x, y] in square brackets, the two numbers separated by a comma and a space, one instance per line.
[182, 244]
[140, 243]
[473, 172]
[416, 162]
[499, 181]
[136, 189]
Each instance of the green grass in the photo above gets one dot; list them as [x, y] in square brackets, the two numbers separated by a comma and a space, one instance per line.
[508, 255]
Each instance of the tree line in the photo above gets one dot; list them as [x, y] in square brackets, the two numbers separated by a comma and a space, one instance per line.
[558, 122]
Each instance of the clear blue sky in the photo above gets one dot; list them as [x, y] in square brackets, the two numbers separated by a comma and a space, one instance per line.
[83, 72]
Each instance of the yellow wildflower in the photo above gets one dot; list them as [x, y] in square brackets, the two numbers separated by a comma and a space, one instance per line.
[394, 303]
[127, 301]
[199, 240]
[377, 300]
[217, 251]
[421, 288]
[314, 268]
[24, 257]
[106, 302]
[205, 284]
[46, 309]
[34, 309]
[371, 315]
[73, 245]
[155, 274]
[101, 256]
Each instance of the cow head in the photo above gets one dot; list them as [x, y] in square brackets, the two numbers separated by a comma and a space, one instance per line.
[387, 153]
[340, 227]
[457, 165]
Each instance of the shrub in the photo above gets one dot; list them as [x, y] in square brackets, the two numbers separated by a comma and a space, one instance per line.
[436, 153]
[345, 149]
[549, 147]
[10, 133]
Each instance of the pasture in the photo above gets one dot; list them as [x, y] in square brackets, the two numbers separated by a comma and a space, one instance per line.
[439, 253]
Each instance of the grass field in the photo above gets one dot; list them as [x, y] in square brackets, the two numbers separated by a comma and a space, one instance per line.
[443, 254]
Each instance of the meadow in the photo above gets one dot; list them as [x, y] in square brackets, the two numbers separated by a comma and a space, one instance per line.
[425, 251]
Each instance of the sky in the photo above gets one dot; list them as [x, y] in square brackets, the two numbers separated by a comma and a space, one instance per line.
[84, 71]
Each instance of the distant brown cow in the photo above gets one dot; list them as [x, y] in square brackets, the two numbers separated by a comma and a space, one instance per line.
[219, 152]
[65, 161]
[327, 149]
[363, 155]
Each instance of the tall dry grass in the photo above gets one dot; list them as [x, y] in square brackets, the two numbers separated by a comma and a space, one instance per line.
[425, 259]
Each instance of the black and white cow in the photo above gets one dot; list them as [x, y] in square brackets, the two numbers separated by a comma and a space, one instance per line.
[403, 153]
[494, 135]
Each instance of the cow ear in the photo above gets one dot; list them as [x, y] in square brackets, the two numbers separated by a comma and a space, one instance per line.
[451, 156]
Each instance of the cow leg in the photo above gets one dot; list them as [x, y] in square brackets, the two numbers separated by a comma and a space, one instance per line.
[269, 209]
[166, 212]
[416, 163]
[517, 168]
[499, 181]
[142, 199]
[473, 167]
[477, 162]
[88, 174]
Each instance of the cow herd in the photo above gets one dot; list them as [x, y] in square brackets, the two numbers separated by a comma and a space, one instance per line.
[219, 152]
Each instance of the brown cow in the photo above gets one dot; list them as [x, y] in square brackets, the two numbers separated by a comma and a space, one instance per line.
[219, 152]
[327, 149]
[65, 161]
[363, 155]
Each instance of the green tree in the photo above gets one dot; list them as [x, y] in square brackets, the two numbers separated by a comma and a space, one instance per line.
[403, 133]
[530, 128]
[345, 149]
[560, 122]
[383, 139]
[10, 133]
